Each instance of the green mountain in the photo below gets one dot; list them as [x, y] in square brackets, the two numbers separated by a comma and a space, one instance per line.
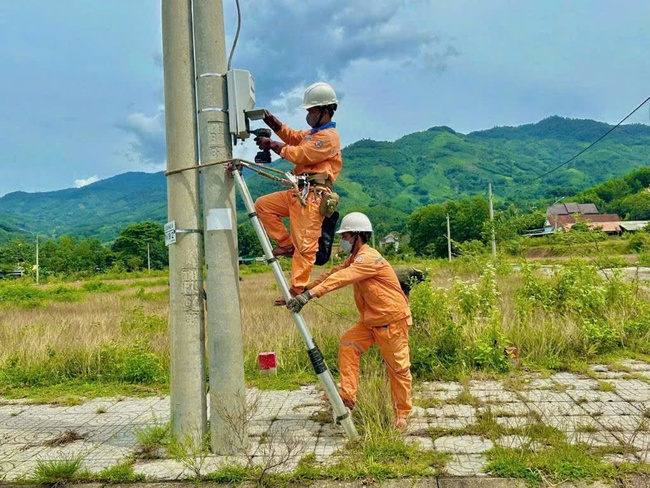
[440, 164]
[388, 180]
[100, 209]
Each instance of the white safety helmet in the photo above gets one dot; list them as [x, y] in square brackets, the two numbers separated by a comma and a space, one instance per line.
[318, 95]
[355, 222]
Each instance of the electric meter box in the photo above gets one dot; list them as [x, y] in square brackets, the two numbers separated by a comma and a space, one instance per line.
[241, 97]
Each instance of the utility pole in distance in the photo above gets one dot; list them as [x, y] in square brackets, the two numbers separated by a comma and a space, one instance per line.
[448, 239]
[494, 240]
[225, 341]
[186, 319]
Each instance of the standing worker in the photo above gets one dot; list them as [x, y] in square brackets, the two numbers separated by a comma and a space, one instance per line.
[384, 311]
[316, 154]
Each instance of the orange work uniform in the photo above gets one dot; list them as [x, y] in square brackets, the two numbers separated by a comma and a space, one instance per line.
[316, 151]
[385, 320]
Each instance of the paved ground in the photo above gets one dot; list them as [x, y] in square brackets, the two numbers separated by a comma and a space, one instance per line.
[610, 408]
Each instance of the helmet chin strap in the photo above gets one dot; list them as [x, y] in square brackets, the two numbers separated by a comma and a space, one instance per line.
[356, 236]
[321, 109]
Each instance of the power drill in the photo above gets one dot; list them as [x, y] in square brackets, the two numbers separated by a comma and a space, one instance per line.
[262, 157]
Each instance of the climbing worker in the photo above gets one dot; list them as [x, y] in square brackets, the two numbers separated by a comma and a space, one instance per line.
[384, 312]
[316, 154]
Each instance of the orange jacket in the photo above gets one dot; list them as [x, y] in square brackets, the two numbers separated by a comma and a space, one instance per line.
[377, 293]
[312, 152]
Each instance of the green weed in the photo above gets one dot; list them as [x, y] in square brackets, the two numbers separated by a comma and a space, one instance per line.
[151, 440]
[58, 472]
[120, 473]
[232, 474]
[558, 464]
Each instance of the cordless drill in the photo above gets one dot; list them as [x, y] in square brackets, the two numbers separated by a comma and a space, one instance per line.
[262, 157]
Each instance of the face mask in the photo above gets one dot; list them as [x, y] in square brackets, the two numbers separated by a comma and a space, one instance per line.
[346, 245]
[312, 120]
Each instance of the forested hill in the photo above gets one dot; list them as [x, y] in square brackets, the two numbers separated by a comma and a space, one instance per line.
[440, 164]
[100, 209]
[388, 180]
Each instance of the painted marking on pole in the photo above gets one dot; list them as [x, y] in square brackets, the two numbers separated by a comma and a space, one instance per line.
[190, 289]
[219, 219]
[170, 233]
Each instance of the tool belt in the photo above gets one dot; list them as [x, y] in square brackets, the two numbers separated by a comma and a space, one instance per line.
[321, 185]
[314, 179]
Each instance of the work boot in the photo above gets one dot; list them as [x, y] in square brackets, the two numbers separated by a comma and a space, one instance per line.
[284, 250]
[400, 423]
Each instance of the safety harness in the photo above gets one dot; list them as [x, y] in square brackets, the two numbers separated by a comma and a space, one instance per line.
[301, 184]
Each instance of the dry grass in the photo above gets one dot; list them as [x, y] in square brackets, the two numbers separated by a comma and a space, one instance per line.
[32, 335]
[270, 328]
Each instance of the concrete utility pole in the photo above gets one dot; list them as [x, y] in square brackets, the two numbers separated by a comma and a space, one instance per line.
[494, 240]
[186, 320]
[448, 239]
[225, 342]
[37, 266]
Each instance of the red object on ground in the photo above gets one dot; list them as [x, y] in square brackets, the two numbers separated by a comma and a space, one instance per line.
[512, 353]
[267, 361]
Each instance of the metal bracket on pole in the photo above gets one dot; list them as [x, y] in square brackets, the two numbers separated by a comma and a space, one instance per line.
[341, 412]
[171, 231]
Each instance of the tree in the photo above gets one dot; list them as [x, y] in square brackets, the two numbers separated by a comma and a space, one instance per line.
[428, 225]
[131, 246]
[635, 207]
[248, 243]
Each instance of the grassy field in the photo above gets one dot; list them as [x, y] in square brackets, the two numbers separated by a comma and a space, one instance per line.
[62, 343]
[110, 337]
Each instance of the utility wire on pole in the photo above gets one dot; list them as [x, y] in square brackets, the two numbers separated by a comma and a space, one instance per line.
[186, 320]
[225, 339]
[494, 240]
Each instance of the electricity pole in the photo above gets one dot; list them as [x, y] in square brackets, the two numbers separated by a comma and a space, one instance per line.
[448, 239]
[186, 320]
[37, 266]
[225, 341]
[494, 240]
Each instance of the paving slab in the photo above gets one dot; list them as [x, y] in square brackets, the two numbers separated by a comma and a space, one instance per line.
[105, 429]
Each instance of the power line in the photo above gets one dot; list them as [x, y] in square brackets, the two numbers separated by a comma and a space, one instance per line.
[592, 144]
[234, 43]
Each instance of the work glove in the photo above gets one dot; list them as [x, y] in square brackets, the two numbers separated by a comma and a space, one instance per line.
[272, 121]
[296, 303]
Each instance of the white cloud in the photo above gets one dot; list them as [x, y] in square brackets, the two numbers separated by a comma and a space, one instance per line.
[87, 181]
[147, 136]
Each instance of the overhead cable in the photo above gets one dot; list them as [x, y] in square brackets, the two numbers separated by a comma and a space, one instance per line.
[592, 144]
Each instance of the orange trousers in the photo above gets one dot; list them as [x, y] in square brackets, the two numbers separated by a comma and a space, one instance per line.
[304, 224]
[393, 342]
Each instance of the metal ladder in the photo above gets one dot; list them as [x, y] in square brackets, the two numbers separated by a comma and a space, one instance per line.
[342, 415]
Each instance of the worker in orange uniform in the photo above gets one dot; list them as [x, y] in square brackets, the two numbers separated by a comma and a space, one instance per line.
[385, 316]
[316, 154]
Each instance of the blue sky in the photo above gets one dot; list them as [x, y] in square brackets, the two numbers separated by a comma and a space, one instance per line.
[81, 95]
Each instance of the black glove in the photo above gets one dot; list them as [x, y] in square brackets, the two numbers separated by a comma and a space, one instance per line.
[296, 303]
